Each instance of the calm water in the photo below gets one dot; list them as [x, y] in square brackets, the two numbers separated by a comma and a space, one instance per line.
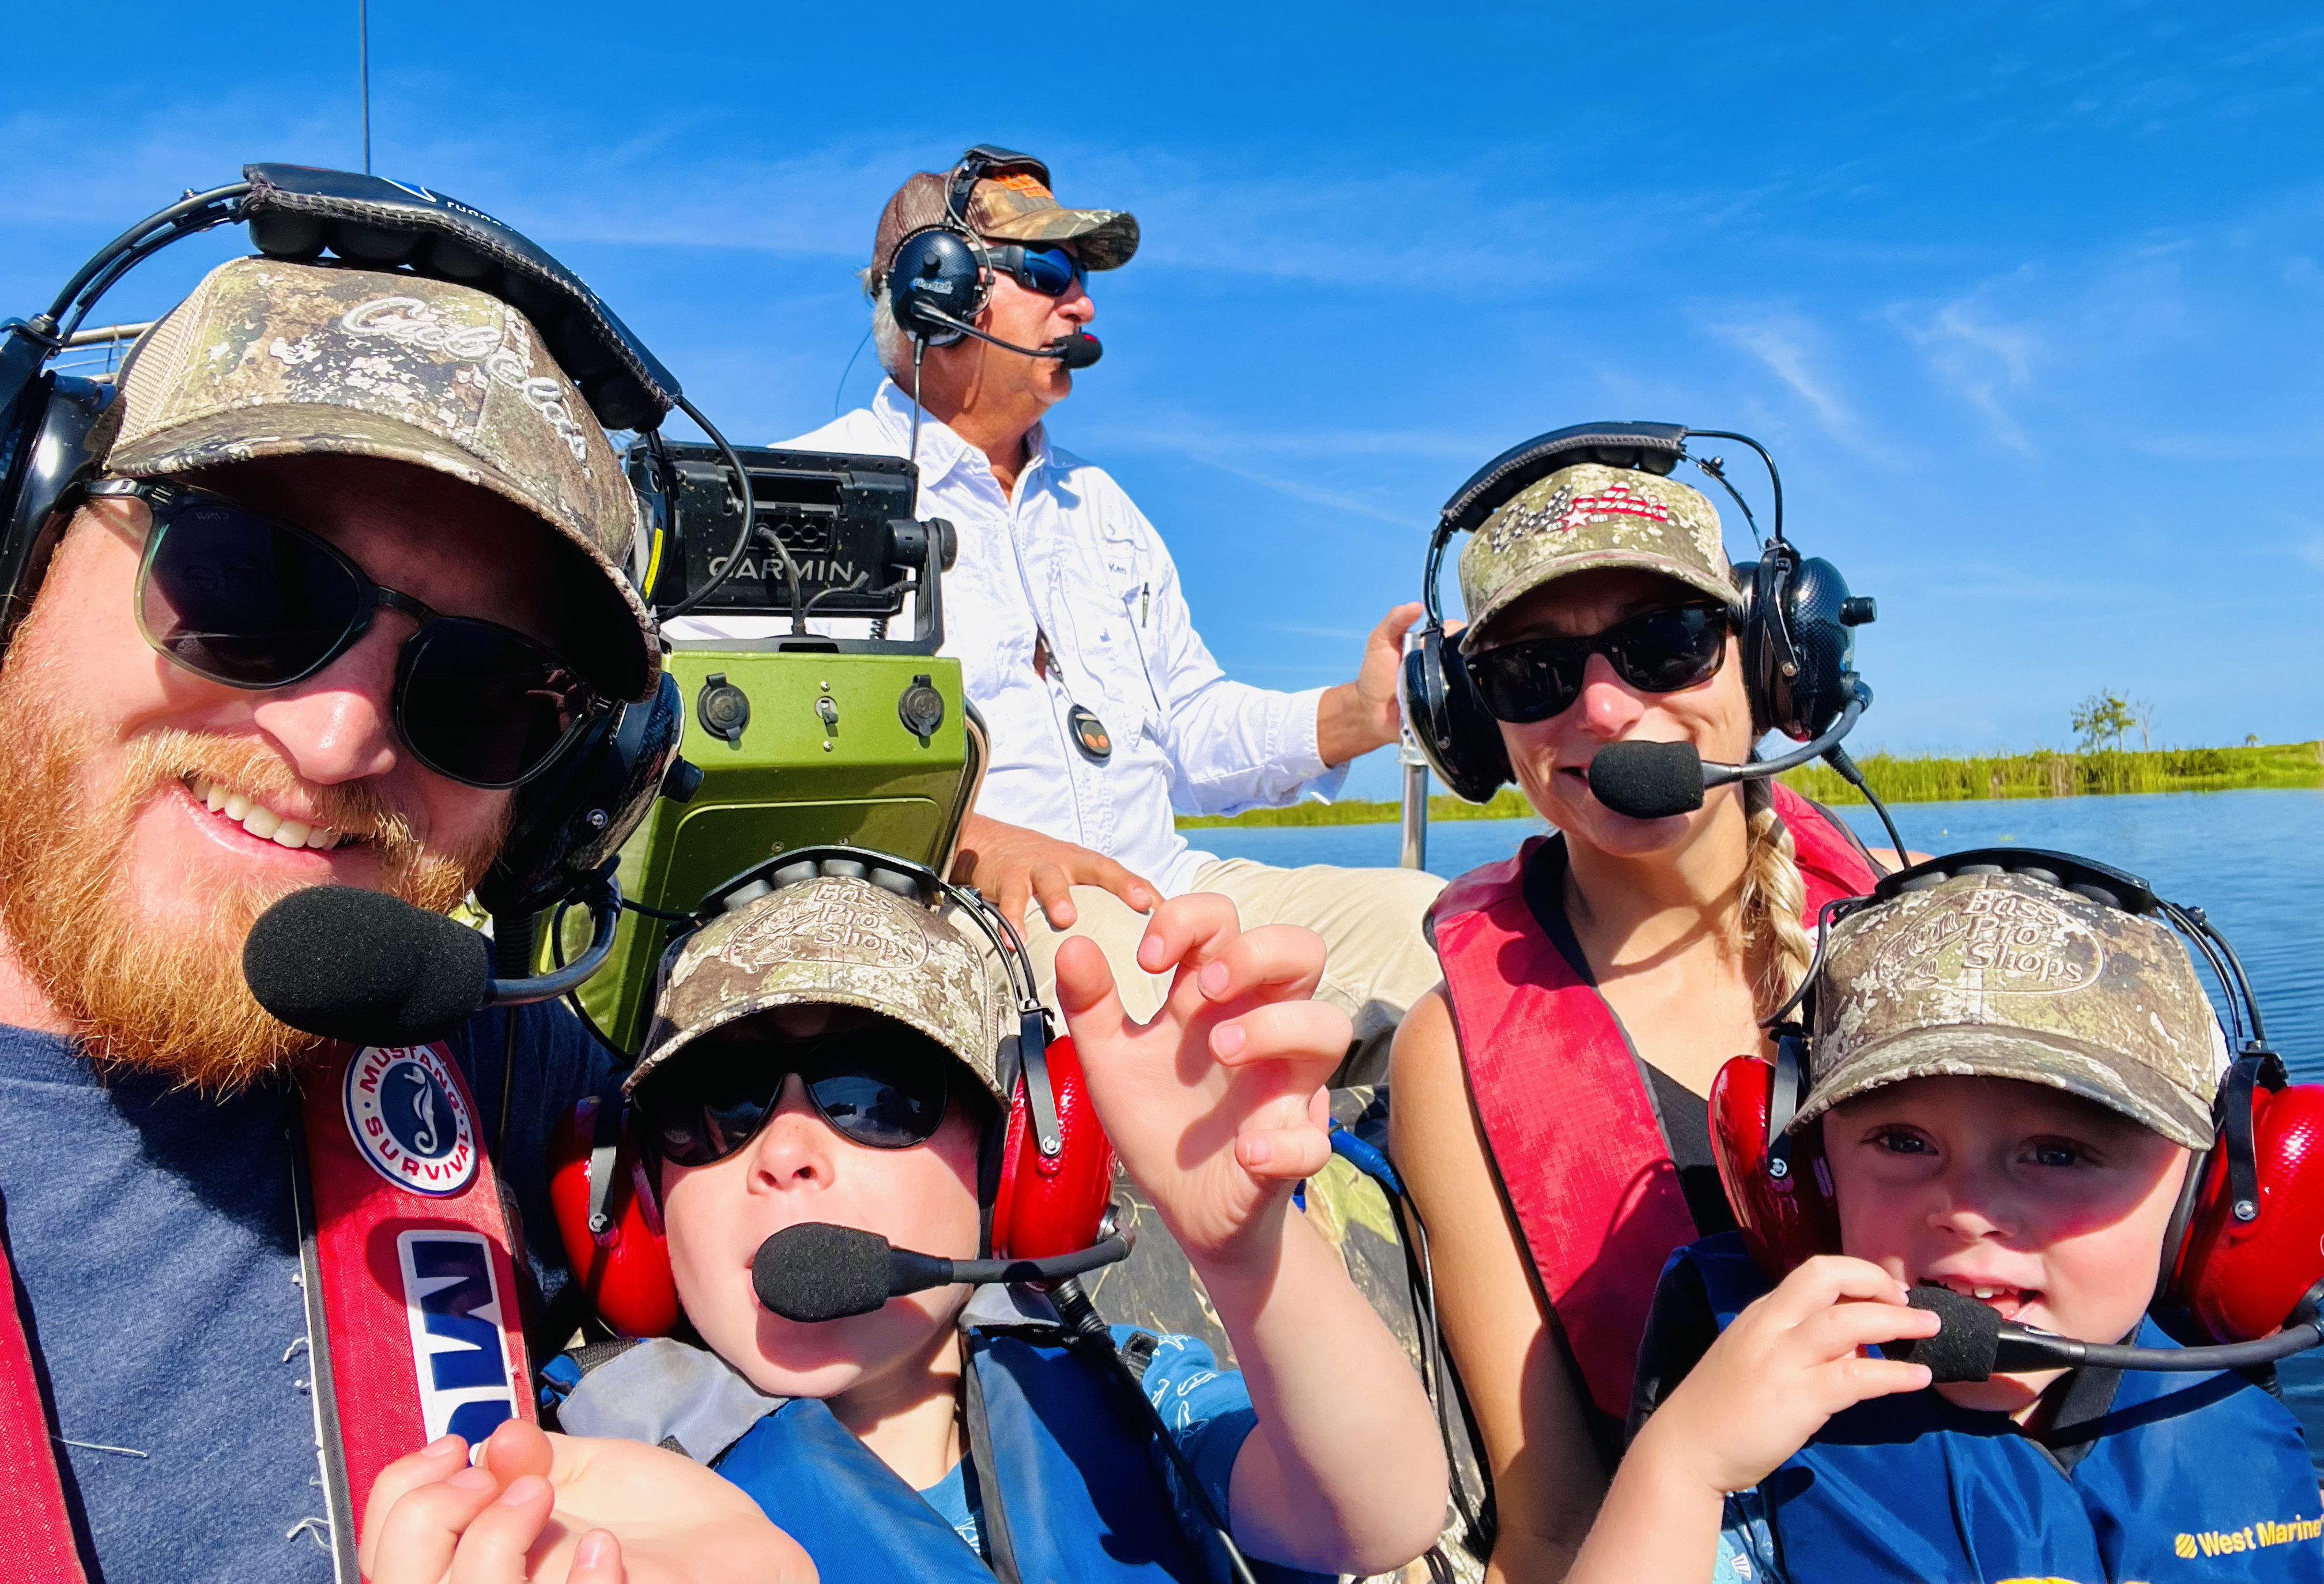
[2253, 860]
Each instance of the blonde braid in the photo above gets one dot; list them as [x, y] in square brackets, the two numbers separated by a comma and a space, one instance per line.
[1773, 896]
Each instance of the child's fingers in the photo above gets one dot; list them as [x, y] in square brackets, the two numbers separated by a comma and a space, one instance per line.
[413, 1538]
[493, 1550]
[1827, 1279]
[1189, 928]
[516, 1447]
[439, 1459]
[598, 1560]
[1859, 1378]
[1086, 994]
[1840, 1330]
[1286, 1154]
[1286, 1031]
[1274, 962]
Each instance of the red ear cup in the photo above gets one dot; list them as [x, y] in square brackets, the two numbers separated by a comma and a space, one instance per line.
[1052, 1204]
[2239, 1280]
[1784, 1219]
[625, 1270]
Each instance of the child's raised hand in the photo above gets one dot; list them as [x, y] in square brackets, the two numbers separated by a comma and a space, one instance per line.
[1789, 1362]
[539, 1508]
[1217, 1105]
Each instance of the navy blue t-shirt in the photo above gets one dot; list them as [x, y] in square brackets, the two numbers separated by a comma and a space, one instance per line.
[152, 1233]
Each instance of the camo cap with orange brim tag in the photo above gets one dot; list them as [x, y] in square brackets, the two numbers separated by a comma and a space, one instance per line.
[1012, 207]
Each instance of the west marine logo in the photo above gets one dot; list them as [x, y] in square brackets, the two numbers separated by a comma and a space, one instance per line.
[404, 1108]
[459, 1356]
[2267, 1532]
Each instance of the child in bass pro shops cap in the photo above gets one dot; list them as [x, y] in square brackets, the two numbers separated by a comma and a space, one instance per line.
[2012, 1081]
[828, 1055]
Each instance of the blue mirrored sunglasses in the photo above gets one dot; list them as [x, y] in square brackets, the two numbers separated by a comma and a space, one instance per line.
[1049, 270]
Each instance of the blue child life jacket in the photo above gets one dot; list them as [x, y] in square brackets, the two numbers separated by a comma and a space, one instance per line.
[2165, 1477]
[1071, 1487]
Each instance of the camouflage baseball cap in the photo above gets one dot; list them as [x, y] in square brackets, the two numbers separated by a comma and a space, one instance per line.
[836, 942]
[268, 359]
[1009, 208]
[2002, 976]
[1585, 516]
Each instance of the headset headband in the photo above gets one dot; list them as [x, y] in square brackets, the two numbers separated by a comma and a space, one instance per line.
[295, 211]
[983, 161]
[1648, 448]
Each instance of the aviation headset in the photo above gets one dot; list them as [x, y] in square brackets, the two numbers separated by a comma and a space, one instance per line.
[574, 814]
[1798, 623]
[947, 267]
[1046, 1172]
[2245, 1243]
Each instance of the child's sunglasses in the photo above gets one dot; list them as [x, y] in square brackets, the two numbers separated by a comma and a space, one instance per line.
[1049, 270]
[884, 1086]
[248, 600]
[1656, 652]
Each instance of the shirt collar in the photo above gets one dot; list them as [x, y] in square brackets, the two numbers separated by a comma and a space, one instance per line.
[942, 450]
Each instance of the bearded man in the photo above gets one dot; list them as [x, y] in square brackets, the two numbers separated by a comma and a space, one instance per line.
[272, 649]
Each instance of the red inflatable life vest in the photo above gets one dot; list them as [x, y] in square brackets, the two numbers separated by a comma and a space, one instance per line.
[1568, 1124]
[411, 1300]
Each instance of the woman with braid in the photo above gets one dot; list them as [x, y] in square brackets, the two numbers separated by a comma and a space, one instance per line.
[1549, 1114]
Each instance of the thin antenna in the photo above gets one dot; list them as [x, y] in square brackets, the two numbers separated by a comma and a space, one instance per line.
[362, 55]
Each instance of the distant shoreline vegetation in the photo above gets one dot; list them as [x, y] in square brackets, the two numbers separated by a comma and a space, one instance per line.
[2043, 773]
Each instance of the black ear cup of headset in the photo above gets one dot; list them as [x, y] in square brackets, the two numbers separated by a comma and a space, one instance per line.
[574, 816]
[938, 269]
[1798, 641]
[43, 460]
[1456, 734]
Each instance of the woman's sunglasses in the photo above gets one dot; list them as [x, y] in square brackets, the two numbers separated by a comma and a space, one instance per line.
[1656, 652]
[241, 598]
[1049, 270]
[884, 1086]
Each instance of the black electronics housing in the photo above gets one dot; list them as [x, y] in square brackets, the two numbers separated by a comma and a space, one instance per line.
[845, 521]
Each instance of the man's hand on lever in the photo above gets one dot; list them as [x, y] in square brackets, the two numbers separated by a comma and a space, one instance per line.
[1014, 866]
[1356, 717]
[541, 1509]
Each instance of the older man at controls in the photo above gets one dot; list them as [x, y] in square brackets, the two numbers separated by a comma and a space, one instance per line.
[1106, 710]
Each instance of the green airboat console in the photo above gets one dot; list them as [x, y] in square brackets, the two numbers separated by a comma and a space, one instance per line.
[799, 739]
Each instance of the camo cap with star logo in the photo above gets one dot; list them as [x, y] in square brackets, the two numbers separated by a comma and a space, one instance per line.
[1586, 516]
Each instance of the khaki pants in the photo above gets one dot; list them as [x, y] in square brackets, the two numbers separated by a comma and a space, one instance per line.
[1377, 963]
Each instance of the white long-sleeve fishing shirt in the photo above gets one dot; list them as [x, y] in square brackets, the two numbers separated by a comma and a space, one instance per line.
[1069, 558]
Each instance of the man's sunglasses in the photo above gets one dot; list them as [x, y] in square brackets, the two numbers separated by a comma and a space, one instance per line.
[244, 599]
[884, 1085]
[1049, 270]
[1656, 652]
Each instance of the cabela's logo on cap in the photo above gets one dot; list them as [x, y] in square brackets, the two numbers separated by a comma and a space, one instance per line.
[409, 1120]
[2001, 941]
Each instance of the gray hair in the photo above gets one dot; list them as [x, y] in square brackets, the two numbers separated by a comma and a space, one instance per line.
[887, 339]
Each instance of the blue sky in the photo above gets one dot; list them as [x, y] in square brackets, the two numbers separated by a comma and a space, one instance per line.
[2027, 299]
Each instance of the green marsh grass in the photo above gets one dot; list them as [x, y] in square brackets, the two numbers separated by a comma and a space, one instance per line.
[2043, 773]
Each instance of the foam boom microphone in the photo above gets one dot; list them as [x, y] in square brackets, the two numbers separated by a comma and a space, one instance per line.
[370, 969]
[1976, 1343]
[1076, 351]
[816, 1272]
[1654, 781]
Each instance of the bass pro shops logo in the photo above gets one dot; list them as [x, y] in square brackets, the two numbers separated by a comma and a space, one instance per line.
[409, 1123]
